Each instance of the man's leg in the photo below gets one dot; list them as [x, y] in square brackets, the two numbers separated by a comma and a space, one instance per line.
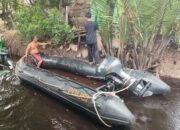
[38, 58]
[96, 54]
[90, 56]
[39, 63]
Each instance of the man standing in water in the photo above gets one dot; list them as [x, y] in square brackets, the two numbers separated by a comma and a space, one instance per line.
[32, 48]
[91, 40]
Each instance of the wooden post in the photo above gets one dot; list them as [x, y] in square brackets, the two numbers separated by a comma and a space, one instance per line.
[66, 15]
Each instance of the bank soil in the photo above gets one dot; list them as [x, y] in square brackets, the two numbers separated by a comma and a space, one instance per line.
[169, 67]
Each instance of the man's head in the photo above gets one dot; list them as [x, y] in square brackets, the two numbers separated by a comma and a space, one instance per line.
[88, 15]
[35, 39]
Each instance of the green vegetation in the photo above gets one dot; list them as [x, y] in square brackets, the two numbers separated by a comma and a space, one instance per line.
[49, 24]
[7, 7]
[135, 30]
[143, 16]
[43, 18]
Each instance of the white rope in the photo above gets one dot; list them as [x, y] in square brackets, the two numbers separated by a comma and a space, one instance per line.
[121, 90]
[94, 97]
[109, 93]
[94, 104]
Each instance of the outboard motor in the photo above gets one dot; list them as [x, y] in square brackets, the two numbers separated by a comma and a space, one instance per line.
[113, 70]
[136, 82]
[4, 58]
[112, 65]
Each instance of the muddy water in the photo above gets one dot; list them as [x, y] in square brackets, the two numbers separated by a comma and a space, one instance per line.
[26, 108]
[158, 112]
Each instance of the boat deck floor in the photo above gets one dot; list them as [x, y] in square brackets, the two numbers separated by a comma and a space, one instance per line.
[81, 79]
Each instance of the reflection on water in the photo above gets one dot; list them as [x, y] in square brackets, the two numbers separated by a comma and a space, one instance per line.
[25, 108]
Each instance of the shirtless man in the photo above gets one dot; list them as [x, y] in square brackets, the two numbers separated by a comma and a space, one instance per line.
[32, 49]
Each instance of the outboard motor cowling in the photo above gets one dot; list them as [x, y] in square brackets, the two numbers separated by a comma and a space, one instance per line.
[112, 65]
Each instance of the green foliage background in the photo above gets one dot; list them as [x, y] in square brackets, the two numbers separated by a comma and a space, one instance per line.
[149, 16]
[135, 26]
[137, 31]
[45, 24]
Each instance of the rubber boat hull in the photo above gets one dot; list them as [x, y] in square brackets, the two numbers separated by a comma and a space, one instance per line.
[110, 108]
[148, 86]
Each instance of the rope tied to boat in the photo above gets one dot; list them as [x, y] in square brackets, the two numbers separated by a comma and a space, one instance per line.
[85, 97]
[94, 97]
[71, 94]
[95, 106]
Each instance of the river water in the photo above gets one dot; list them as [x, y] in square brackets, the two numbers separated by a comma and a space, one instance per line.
[23, 107]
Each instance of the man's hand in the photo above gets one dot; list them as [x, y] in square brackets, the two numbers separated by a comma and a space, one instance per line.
[43, 44]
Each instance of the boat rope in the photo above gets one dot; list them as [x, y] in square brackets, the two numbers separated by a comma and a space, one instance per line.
[85, 97]
[130, 71]
[78, 96]
[94, 97]
[126, 88]
[95, 108]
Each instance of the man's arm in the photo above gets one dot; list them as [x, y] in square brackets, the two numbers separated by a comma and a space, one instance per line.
[27, 49]
[43, 43]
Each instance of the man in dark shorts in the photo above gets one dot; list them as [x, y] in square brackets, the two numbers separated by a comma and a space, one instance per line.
[32, 48]
[91, 40]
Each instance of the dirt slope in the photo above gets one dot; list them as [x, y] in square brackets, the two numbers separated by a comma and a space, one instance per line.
[170, 65]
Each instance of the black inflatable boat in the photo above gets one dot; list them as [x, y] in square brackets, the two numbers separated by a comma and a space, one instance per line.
[111, 70]
[93, 101]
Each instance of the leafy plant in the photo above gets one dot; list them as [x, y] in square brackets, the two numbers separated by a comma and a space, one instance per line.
[32, 21]
[135, 26]
[7, 7]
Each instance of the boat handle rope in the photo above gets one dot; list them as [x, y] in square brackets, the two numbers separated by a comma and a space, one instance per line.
[95, 108]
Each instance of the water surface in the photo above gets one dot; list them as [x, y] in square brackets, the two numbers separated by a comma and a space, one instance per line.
[23, 107]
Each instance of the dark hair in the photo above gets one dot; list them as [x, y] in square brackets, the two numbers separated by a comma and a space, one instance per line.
[33, 37]
[88, 15]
